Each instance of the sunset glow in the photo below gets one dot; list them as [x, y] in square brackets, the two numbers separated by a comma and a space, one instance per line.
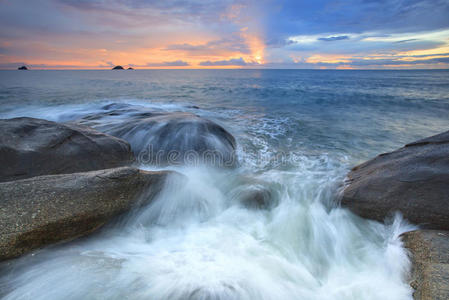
[78, 34]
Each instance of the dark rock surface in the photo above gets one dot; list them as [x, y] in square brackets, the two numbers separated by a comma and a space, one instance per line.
[413, 180]
[32, 147]
[430, 256]
[118, 68]
[22, 68]
[253, 193]
[161, 138]
[41, 210]
[256, 197]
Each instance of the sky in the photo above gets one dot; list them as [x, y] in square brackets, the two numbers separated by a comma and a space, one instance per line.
[145, 34]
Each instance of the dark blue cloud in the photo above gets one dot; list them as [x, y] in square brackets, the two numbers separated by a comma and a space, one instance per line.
[183, 10]
[362, 63]
[397, 62]
[176, 63]
[233, 43]
[231, 62]
[13, 65]
[291, 17]
[359, 45]
[334, 38]
[406, 41]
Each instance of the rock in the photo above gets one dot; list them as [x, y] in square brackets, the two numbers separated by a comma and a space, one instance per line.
[130, 68]
[413, 180]
[41, 210]
[256, 197]
[22, 68]
[118, 68]
[253, 193]
[166, 138]
[32, 147]
[430, 256]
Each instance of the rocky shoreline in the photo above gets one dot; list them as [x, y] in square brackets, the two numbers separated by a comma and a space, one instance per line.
[61, 181]
[46, 209]
[430, 260]
[413, 180]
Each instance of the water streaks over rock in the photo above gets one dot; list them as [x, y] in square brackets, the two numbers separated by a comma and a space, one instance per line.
[164, 138]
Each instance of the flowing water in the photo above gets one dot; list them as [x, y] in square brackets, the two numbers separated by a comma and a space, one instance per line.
[298, 133]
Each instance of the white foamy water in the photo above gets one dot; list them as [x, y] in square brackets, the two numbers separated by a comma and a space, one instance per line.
[204, 236]
[197, 241]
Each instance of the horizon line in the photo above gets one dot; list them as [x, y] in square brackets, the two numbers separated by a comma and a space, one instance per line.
[237, 68]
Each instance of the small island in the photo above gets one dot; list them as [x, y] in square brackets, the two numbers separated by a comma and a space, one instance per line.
[130, 68]
[22, 68]
[118, 68]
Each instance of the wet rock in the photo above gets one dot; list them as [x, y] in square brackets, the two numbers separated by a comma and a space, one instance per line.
[22, 68]
[254, 193]
[166, 138]
[118, 68]
[256, 197]
[430, 256]
[42, 210]
[130, 68]
[32, 147]
[413, 180]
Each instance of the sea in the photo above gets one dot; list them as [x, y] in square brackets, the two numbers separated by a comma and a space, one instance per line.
[298, 133]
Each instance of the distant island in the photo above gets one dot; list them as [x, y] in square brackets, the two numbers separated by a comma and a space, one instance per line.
[121, 68]
[22, 68]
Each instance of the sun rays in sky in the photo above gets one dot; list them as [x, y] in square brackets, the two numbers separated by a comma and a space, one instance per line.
[98, 34]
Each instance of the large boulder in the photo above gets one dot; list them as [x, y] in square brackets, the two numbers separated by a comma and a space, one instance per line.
[430, 256]
[166, 138]
[41, 210]
[32, 147]
[413, 180]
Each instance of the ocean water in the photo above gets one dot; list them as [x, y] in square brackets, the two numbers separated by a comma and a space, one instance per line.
[298, 133]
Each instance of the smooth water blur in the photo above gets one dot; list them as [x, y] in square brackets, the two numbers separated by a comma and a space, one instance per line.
[358, 113]
[298, 133]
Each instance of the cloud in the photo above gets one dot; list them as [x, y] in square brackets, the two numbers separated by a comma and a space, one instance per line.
[15, 65]
[218, 32]
[356, 16]
[333, 38]
[12, 65]
[230, 62]
[366, 63]
[176, 63]
[278, 42]
[366, 43]
[406, 41]
[398, 62]
[233, 43]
